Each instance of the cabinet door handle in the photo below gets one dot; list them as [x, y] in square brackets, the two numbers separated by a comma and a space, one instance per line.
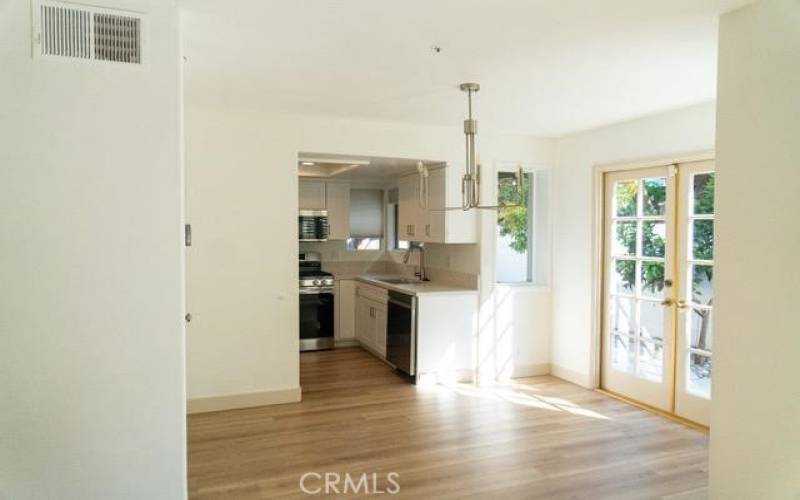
[427, 229]
[371, 312]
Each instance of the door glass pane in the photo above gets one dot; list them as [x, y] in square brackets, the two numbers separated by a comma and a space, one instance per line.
[625, 239]
[701, 329]
[702, 284]
[653, 236]
[703, 239]
[655, 196]
[623, 353]
[651, 317]
[622, 316]
[651, 360]
[703, 193]
[625, 270]
[625, 198]
[652, 279]
[699, 382]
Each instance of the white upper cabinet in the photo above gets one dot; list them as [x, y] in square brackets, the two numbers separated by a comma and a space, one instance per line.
[312, 195]
[432, 224]
[338, 206]
[409, 218]
[435, 217]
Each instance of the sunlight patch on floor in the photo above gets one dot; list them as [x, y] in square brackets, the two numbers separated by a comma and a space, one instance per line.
[519, 394]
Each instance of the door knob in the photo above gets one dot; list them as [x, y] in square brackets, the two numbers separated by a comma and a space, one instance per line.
[682, 304]
[666, 302]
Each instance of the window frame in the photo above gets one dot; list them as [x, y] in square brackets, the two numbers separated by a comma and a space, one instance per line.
[383, 239]
[530, 279]
[393, 236]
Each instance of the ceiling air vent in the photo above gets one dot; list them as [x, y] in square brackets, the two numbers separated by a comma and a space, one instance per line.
[80, 32]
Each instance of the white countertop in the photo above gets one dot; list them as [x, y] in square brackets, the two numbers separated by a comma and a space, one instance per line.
[421, 288]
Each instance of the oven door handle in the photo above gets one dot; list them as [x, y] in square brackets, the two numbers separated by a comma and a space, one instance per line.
[315, 291]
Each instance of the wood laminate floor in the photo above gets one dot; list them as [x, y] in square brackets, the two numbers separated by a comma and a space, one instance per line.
[534, 438]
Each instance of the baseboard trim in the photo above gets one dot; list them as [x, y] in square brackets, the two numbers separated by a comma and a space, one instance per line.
[531, 370]
[247, 400]
[580, 379]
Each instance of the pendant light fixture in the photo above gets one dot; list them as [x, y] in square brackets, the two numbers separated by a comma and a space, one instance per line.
[471, 181]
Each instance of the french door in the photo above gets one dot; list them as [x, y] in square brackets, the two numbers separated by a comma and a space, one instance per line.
[658, 287]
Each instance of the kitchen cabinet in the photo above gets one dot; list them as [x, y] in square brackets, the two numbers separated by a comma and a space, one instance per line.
[381, 316]
[445, 330]
[311, 195]
[337, 202]
[415, 222]
[370, 318]
[435, 215]
[345, 311]
[409, 212]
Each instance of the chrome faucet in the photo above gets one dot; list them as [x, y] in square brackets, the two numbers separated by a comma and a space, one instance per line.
[416, 246]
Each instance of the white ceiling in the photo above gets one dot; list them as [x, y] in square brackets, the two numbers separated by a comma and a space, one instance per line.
[547, 67]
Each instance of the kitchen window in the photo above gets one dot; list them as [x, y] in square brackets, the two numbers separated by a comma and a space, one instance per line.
[366, 219]
[392, 216]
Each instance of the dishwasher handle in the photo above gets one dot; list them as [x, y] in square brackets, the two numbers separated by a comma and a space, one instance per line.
[401, 304]
[401, 300]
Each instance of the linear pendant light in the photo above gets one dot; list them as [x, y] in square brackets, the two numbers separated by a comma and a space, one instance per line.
[471, 181]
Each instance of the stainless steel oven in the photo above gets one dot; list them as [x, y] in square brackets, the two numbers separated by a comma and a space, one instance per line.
[312, 225]
[316, 304]
[316, 319]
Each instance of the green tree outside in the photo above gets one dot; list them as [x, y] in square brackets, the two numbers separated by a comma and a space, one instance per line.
[512, 216]
[653, 245]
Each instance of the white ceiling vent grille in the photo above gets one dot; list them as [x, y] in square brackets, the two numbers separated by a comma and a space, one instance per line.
[80, 32]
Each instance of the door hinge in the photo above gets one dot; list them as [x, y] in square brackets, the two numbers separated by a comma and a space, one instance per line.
[187, 235]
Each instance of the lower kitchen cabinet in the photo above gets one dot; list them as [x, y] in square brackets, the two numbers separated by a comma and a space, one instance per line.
[380, 329]
[370, 318]
[445, 330]
[345, 311]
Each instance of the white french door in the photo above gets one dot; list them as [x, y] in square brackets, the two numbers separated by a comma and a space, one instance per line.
[695, 295]
[639, 227]
[658, 263]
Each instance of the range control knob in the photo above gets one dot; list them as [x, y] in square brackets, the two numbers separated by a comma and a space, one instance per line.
[317, 282]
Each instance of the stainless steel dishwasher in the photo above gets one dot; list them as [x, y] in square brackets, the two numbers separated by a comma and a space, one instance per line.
[401, 332]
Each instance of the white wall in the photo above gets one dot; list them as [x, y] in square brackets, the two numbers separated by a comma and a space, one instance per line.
[666, 135]
[514, 321]
[242, 203]
[755, 436]
[91, 328]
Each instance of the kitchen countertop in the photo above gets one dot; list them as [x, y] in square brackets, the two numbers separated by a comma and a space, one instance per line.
[418, 289]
